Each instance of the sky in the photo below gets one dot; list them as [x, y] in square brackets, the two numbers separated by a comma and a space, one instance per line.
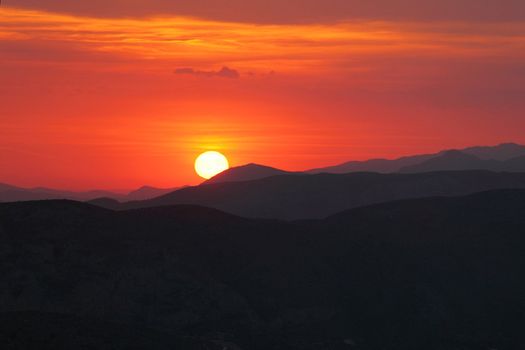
[119, 94]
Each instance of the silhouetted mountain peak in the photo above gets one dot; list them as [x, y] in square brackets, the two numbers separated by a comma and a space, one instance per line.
[148, 192]
[507, 146]
[246, 172]
[501, 152]
[510, 145]
[6, 187]
[253, 167]
[141, 190]
[456, 154]
[452, 160]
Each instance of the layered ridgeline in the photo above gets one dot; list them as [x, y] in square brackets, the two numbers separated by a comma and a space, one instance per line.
[457, 160]
[433, 274]
[499, 155]
[299, 196]
[9, 193]
[508, 157]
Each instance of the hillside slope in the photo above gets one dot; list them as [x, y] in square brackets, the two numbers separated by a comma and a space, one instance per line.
[434, 274]
[294, 197]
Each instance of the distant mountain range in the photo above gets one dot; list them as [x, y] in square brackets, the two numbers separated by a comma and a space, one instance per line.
[505, 157]
[432, 274]
[147, 192]
[508, 157]
[458, 160]
[502, 153]
[9, 193]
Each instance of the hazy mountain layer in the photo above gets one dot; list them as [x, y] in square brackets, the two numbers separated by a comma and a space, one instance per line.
[500, 152]
[293, 197]
[10, 193]
[457, 161]
[507, 157]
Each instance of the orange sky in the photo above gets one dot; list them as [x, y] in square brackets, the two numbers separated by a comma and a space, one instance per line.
[91, 100]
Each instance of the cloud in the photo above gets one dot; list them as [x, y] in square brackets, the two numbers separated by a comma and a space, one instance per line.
[224, 72]
[292, 11]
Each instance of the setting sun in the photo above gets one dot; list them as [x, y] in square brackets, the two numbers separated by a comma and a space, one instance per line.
[211, 163]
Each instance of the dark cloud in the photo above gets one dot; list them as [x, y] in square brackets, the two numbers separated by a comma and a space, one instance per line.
[224, 72]
[293, 11]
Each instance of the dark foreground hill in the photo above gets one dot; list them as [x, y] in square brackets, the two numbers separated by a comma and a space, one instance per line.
[433, 274]
[292, 197]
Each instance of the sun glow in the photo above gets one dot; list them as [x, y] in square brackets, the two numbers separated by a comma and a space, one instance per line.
[211, 163]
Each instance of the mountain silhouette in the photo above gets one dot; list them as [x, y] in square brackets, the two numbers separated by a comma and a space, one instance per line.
[502, 152]
[246, 173]
[453, 160]
[432, 273]
[373, 165]
[148, 192]
[292, 197]
[509, 157]
[10, 193]
[457, 160]
[6, 187]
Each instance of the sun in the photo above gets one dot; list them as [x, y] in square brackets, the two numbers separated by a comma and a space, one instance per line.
[211, 163]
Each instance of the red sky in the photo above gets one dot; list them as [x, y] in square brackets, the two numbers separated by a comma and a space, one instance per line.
[118, 94]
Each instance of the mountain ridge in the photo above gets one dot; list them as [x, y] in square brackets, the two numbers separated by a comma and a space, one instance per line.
[293, 197]
[511, 158]
[10, 193]
[248, 172]
[455, 160]
[501, 152]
